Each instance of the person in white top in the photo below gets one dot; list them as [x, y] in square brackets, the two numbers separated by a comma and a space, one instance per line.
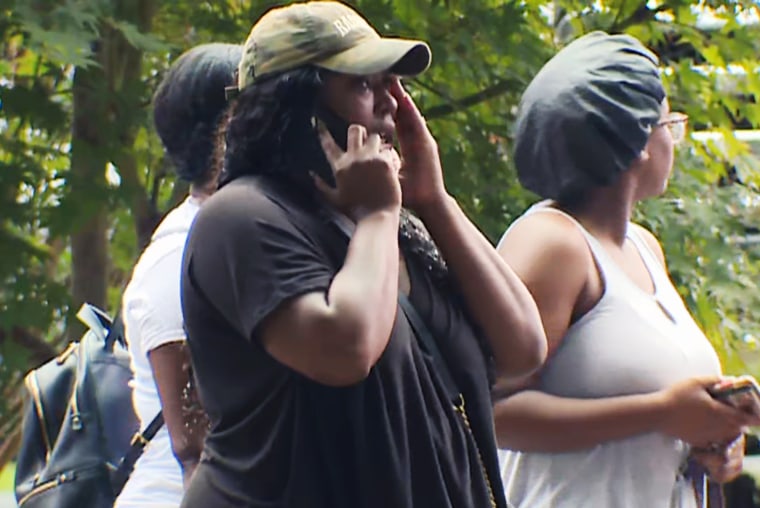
[620, 415]
[187, 107]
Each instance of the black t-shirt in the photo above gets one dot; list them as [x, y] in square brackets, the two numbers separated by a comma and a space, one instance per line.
[279, 439]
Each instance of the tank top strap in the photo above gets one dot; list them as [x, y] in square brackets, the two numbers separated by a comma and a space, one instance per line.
[665, 292]
[650, 259]
[601, 258]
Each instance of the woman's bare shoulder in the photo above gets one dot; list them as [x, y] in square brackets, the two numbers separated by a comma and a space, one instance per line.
[546, 237]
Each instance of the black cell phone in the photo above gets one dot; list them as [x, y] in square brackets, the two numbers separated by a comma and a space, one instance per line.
[743, 394]
[338, 129]
[336, 126]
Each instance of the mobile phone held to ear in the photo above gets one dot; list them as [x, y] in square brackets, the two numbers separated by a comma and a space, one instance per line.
[741, 393]
[338, 129]
[336, 126]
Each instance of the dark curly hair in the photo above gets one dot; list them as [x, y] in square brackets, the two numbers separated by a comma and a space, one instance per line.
[270, 131]
[188, 105]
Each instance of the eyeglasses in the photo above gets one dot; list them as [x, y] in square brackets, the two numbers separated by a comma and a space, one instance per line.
[676, 124]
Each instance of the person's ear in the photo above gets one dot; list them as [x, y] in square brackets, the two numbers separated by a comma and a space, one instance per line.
[644, 155]
[642, 158]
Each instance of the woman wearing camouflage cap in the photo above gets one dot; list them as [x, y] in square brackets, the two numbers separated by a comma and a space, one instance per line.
[319, 387]
[617, 412]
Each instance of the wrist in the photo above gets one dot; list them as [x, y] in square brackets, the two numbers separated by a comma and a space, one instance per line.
[379, 217]
[359, 213]
[434, 206]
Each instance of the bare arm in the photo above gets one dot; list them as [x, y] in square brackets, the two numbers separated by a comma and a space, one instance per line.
[496, 298]
[335, 339]
[535, 421]
[170, 363]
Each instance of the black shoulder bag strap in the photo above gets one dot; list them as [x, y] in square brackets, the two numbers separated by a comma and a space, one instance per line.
[421, 331]
[136, 447]
[430, 346]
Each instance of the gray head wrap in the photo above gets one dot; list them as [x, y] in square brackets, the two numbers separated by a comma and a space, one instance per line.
[587, 115]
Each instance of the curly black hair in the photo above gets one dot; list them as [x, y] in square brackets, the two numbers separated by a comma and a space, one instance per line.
[270, 131]
[188, 105]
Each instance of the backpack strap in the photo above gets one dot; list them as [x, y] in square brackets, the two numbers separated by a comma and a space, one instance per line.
[95, 319]
[110, 331]
[116, 332]
[139, 441]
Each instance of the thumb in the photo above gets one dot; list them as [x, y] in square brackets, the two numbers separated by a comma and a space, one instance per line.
[712, 381]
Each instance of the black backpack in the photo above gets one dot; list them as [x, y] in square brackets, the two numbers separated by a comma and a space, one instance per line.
[80, 436]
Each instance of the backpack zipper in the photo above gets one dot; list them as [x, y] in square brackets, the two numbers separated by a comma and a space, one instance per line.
[461, 410]
[34, 389]
[42, 487]
[76, 418]
[61, 358]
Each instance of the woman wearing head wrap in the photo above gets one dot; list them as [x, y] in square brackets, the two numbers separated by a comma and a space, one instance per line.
[187, 108]
[616, 415]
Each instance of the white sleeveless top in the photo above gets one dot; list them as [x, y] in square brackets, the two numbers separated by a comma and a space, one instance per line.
[631, 342]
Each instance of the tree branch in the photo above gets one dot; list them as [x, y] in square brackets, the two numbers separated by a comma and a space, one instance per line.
[10, 446]
[143, 207]
[39, 349]
[10, 421]
[640, 15]
[501, 87]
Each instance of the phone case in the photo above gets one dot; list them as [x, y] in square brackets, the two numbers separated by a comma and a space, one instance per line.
[338, 129]
[336, 126]
[743, 393]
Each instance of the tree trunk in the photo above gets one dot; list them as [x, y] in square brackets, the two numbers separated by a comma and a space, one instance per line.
[89, 138]
[128, 79]
[107, 102]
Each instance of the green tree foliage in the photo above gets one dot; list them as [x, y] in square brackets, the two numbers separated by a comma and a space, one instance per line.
[83, 180]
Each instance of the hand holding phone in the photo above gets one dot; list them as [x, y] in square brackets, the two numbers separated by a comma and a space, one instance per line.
[338, 129]
[742, 393]
[692, 415]
[336, 126]
[359, 180]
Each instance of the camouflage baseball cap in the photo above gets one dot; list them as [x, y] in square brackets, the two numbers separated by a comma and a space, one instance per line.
[327, 34]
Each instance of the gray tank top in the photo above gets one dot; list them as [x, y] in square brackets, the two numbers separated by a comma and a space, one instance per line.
[631, 342]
